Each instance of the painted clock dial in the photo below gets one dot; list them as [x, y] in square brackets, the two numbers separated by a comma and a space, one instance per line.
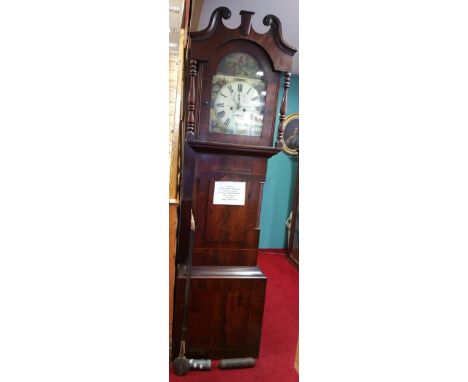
[238, 96]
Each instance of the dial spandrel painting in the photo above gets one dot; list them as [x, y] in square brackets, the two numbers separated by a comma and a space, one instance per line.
[238, 96]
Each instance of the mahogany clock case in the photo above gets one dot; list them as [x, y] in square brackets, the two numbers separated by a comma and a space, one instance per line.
[227, 289]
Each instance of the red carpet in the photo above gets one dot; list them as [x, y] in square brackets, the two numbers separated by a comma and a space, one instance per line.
[279, 335]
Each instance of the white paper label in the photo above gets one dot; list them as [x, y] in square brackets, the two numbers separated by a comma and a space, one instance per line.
[230, 193]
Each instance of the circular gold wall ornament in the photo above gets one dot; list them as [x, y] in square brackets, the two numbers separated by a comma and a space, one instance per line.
[291, 134]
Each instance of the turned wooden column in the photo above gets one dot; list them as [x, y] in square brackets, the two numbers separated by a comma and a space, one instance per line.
[190, 120]
[284, 105]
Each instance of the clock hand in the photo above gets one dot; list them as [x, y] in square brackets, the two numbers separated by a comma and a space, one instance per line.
[238, 103]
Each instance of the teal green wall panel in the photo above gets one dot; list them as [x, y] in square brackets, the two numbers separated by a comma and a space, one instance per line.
[279, 187]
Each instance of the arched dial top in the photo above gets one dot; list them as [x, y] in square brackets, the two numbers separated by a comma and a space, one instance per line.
[238, 96]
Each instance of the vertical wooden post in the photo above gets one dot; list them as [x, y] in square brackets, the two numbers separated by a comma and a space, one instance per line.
[188, 168]
[284, 105]
[190, 121]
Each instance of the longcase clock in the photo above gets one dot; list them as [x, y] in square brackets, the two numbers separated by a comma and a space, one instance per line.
[233, 80]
